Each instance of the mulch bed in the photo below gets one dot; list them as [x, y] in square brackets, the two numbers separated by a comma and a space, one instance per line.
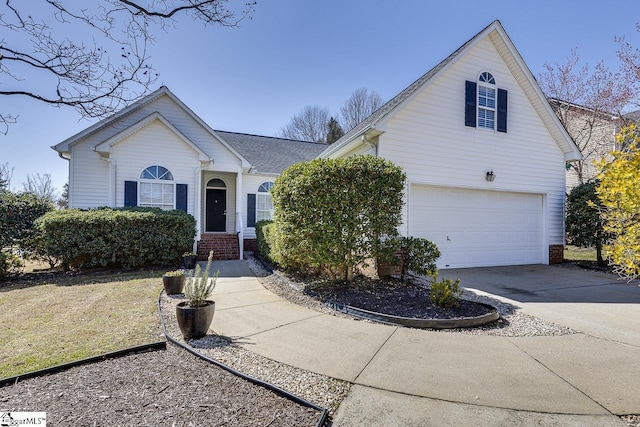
[168, 387]
[392, 297]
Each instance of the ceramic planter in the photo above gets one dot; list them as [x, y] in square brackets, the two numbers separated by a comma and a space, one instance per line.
[189, 262]
[194, 322]
[173, 284]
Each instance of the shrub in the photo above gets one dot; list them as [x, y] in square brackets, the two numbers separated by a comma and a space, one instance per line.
[127, 237]
[619, 193]
[265, 233]
[174, 273]
[330, 214]
[10, 263]
[18, 213]
[584, 222]
[445, 293]
[414, 254]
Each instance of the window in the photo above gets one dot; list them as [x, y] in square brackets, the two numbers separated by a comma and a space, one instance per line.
[157, 188]
[485, 104]
[486, 101]
[264, 206]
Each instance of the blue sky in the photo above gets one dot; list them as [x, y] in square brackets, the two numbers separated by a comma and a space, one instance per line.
[295, 53]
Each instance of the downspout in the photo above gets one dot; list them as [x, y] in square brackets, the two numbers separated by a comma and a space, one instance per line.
[112, 182]
[374, 146]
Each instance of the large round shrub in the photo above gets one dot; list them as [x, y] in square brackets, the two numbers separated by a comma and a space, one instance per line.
[332, 214]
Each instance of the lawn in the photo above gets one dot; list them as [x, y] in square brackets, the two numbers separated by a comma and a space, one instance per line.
[574, 253]
[44, 323]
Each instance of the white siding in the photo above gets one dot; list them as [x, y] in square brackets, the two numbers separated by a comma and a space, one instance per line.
[89, 178]
[428, 138]
[154, 144]
[250, 184]
[90, 174]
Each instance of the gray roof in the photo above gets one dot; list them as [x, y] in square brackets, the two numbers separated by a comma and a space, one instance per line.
[269, 154]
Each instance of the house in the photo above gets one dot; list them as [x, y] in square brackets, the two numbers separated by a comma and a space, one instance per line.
[594, 133]
[159, 153]
[484, 154]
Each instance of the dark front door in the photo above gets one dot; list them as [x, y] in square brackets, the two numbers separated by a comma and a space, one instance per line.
[216, 210]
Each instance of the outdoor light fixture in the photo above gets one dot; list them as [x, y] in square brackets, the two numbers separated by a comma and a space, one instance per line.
[490, 176]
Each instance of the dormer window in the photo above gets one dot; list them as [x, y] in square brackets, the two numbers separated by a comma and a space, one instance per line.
[486, 101]
[485, 104]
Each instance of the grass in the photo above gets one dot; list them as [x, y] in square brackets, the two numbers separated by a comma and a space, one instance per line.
[44, 323]
[574, 253]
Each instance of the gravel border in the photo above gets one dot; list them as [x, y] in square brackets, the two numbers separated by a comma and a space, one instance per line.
[512, 322]
[319, 389]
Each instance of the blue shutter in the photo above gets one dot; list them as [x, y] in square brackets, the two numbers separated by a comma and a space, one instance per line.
[251, 210]
[131, 193]
[181, 197]
[501, 125]
[470, 104]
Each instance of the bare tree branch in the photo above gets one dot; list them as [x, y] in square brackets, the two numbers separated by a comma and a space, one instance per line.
[358, 107]
[590, 103]
[106, 67]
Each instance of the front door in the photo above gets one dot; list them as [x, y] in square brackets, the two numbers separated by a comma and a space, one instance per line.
[216, 210]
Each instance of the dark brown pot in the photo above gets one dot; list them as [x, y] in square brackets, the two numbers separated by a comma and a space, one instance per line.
[173, 284]
[194, 322]
[189, 262]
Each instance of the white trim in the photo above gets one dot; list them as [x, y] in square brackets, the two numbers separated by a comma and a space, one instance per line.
[238, 218]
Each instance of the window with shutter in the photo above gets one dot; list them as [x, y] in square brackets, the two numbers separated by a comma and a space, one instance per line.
[485, 104]
[157, 188]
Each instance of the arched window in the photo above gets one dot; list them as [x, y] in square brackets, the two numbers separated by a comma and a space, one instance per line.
[216, 183]
[157, 188]
[264, 206]
[486, 101]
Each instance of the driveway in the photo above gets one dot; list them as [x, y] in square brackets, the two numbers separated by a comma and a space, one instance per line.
[595, 303]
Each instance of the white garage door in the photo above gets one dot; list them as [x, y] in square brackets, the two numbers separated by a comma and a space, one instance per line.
[478, 228]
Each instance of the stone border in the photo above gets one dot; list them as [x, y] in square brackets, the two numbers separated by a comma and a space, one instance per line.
[412, 322]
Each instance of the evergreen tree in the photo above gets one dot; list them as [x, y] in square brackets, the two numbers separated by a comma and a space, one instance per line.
[334, 131]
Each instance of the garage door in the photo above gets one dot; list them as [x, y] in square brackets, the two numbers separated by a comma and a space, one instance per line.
[478, 228]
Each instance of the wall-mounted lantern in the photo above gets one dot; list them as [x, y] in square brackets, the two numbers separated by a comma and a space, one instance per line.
[490, 176]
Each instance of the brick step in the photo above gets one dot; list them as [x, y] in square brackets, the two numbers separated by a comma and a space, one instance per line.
[224, 246]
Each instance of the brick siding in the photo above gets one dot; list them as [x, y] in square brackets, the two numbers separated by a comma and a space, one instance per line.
[556, 254]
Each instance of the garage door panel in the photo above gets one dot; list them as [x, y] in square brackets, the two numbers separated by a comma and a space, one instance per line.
[478, 228]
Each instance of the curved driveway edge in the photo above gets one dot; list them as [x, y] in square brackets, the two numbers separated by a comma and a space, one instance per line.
[572, 374]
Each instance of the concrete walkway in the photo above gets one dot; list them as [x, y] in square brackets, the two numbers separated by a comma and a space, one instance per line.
[413, 377]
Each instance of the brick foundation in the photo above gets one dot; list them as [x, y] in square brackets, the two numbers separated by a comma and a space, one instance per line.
[556, 254]
[224, 246]
[250, 245]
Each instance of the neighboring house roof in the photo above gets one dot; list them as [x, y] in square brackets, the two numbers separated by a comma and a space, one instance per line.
[504, 45]
[269, 154]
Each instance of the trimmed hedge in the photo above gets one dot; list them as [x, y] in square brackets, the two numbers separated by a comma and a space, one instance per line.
[265, 234]
[126, 237]
[18, 212]
[332, 214]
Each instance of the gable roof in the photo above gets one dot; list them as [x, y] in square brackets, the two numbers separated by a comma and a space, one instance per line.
[63, 147]
[505, 47]
[270, 154]
[105, 146]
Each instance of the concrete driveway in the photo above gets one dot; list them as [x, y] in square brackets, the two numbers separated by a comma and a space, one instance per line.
[591, 302]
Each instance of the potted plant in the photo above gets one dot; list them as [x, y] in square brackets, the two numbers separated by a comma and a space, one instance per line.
[189, 260]
[196, 313]
[173, 282]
